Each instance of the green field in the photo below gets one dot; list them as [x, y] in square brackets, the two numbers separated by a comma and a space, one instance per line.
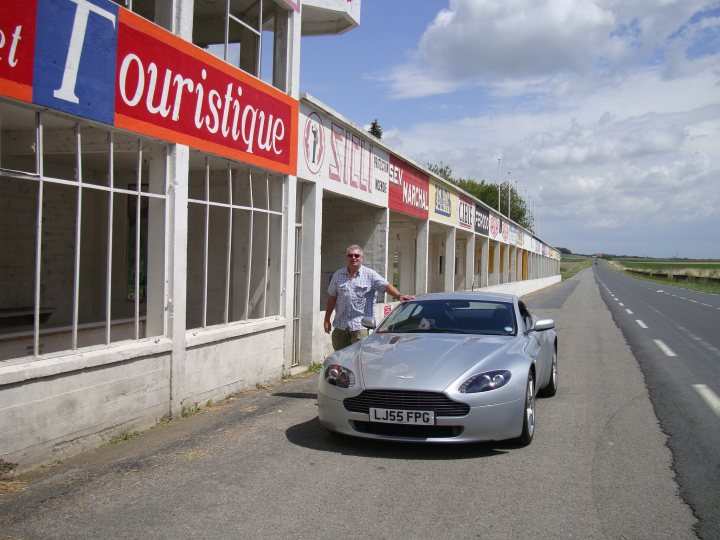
[699, 275]
[669, 264]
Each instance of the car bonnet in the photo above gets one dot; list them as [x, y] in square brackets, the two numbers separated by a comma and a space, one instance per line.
[423, 361]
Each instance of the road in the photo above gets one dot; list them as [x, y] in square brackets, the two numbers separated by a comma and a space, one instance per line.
[261, 466]
[675, 336]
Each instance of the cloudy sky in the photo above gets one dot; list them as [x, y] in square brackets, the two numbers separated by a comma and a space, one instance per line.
[606, 111]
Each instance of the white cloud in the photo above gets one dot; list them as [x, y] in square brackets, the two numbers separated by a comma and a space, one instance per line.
[608, 112]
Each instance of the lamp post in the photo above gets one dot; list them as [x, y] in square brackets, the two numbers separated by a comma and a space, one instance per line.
[538, 220]
[498, 183]
[508, 183]
[516, 183]
[532, 213]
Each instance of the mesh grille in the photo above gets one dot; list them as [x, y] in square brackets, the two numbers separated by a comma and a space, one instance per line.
[416, 432]
[406, 400]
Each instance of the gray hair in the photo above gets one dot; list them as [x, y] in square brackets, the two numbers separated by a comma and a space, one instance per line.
[355, 247]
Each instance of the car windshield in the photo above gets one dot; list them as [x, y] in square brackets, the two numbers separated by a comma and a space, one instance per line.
[451, 316]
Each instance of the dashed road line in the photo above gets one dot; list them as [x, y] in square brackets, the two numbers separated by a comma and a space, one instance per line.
[643, 325]
[664, 348]
[710, 397]
[710, 348]
[628, 311]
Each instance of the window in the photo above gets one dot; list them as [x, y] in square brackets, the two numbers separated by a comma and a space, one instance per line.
[526, 317]
[79, 205]
[454, 316]
[245, 33]
[234, 242]
[144, 8]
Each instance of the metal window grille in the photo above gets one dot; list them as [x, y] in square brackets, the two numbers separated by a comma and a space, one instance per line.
[234, 243]
[72, 254]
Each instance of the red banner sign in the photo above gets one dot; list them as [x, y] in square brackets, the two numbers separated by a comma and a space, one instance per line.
[168, 88]
[409, 189]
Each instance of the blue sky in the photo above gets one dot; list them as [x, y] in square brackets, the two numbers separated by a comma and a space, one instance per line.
[606, 113]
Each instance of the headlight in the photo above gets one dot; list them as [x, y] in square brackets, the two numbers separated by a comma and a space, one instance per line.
[338, 375]
[484, 382]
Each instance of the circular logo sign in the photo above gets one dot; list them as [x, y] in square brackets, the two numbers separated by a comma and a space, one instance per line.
[314, 142]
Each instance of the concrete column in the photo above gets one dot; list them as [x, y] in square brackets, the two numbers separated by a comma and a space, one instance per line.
[485, 267]
[281, 48]
[422, 258]
[177, 17]
[470, 263]
[450, 237]
[313, 339]
[506, 264]
[178, 169]
[294, 30]
[288, 264]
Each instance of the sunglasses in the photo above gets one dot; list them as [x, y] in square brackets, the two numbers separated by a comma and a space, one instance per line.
[354, 255]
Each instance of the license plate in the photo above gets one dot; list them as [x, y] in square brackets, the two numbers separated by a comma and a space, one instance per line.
[397, 416]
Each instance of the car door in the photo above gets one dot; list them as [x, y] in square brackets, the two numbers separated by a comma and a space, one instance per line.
[534, 345]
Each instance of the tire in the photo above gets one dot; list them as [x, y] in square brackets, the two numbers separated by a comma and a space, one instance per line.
[528, 429]
[551, 388]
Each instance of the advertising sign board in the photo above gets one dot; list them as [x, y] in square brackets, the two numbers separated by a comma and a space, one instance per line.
[341, 158]
[96, 60]
[409, 189]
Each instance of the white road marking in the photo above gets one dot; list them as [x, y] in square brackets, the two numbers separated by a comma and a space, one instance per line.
[628, 311]
[710, 397]
[664, 348]
[714, 350]
[641, 324]
[694, 301]
[621, 304]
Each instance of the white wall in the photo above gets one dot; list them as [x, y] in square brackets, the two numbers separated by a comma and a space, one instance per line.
[53, 408]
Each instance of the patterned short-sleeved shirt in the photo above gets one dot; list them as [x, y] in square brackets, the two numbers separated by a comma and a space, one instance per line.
[355, 296]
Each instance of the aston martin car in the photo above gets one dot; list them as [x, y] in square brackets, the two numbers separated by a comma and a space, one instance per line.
[446, 368]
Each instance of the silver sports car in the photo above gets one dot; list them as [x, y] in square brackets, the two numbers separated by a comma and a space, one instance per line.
[447, 367]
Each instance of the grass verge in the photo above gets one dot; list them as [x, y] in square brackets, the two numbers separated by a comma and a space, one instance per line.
[569, 266]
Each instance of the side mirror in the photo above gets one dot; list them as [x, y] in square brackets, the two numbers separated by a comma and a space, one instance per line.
[543, 324]
[368, 322]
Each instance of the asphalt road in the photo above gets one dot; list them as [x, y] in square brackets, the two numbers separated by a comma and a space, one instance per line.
[261, 466]
[675, 336]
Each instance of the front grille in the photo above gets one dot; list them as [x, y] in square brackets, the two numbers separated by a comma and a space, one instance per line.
[406, 400]
[402, 430]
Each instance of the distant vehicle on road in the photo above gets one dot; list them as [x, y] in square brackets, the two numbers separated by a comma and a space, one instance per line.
[446, 368]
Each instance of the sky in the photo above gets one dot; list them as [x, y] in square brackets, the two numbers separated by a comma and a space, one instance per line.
[605, 112]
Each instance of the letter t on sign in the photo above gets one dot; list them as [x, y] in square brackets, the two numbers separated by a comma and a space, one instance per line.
[66, 91]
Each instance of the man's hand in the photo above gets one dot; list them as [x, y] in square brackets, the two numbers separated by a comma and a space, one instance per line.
[327, 326]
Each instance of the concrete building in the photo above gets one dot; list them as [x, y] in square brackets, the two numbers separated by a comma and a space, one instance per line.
[172, 210]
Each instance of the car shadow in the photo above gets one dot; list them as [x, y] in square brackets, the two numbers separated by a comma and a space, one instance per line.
[296, 395]
[312, 435]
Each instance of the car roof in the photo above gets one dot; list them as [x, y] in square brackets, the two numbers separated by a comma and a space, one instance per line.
[478, 296]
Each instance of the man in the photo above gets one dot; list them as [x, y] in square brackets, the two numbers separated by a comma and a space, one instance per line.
[351, 294]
